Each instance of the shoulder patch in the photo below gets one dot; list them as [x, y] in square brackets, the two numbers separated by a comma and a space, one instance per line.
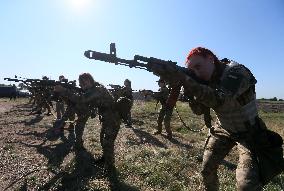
[233, 78]
[232, 82]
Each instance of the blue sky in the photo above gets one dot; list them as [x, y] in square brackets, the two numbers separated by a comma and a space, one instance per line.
[49, 37]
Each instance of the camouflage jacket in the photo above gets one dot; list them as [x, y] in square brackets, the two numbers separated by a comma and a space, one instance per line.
[231, 94]
[95, 97]
[162, 95]
[126, 92]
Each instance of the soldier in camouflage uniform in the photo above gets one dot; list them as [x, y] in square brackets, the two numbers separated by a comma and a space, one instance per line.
[165, 113]
[14, 93]
[42, 98]
[60, 103]
[59, 124]
[95, 96]
[124, 98]
[126, 92]
[230, 92]
[64, 114]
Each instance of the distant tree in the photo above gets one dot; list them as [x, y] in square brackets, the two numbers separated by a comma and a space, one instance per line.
[273, 99]
[280, 100]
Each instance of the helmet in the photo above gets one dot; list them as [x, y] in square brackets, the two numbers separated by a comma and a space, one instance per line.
[161, 81]
[61, 77]
[45, 78]
[127, 81]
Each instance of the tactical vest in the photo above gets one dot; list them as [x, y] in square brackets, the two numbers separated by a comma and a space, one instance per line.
[163, 95]
[240, 108]
[102, 98]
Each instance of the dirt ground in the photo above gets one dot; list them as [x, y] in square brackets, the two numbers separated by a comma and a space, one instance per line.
[31, 158]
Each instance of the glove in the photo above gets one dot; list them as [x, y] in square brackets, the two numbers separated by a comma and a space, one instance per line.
[170, 73]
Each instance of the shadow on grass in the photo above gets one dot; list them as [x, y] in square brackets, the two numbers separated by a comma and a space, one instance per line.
[54, 153]
[21, 108]
[80, 170]
[146, 137]
[48, 134]
[178, 143]
[37, 119]
[76, 173]
[229, 165]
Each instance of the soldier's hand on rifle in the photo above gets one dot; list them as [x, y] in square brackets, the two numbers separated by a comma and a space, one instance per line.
[59, 89]
[159, 70]
[168, 72]
[189, 82]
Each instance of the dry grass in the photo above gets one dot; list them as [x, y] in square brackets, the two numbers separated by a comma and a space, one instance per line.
[143, 161]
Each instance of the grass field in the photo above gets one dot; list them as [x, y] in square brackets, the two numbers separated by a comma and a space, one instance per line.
[143, 161]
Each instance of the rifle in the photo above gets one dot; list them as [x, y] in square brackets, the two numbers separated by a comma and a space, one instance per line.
[47, 83]
[115, 86]
[44, 88]
[28, 82]
[162, 68]
[159, 67]
[66, 84]
[24, 81]
[118, 87]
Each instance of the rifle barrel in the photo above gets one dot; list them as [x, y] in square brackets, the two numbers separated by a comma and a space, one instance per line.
[112, 58]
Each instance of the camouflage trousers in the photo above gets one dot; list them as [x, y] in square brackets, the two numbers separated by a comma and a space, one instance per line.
[110, 127]
[110, 121]
[165, 115]
[247, 172]
[41, 104]
[123, 106]
[59, 109]
[69, 113]
[128, 120]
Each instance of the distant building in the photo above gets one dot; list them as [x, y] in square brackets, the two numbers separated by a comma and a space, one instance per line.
[140, 96]
[8, 91]
[137, 96]
[12, 92]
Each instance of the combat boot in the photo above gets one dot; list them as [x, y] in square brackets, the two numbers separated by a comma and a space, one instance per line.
[100, 160]
[159, 129]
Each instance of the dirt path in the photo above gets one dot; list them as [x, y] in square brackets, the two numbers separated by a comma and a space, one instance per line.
[17, 128]
[6, 105]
